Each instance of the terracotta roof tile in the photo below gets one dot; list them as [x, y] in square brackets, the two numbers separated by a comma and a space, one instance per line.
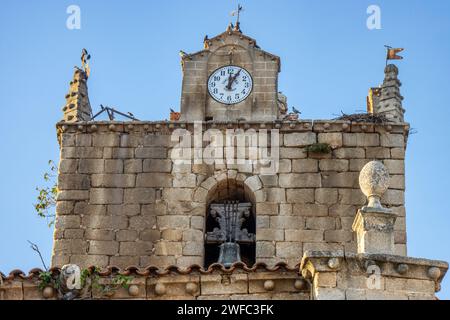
[155, 271]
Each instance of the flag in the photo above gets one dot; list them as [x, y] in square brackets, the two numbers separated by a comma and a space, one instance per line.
[392, 54]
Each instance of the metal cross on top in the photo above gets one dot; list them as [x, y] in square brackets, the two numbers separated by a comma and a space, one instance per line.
[230, 216]
[237, 13]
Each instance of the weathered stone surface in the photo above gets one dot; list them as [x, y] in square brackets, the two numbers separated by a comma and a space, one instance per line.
[126, 235]
[299, 139]
[304, 235]
[325, 280]
[306, 180]
[139, 196]
[91, 166]
[193, 248]
[293, 153]
[103, 247]
[157, 165]
[334, 139]
[178, 194]
[83, 140]
[99, 234]
[105, 222]
[124, 261]
[267, 208]
[174, 234]
[113, 166]
[338, 235]
[310, 210]
[73, 182]
[270, 235]
[106, 196]
[106, 140]
[133, 166]
[320, 223]
[136, 248]
[124, 209]
[300, 195]
[142, 223]
[340, 180]
[378, 153]
[326, 196]
[150, 235]
[352, 197]
[277, 195]
[131, 140]
[333, 165]
[265, 249]
[361, 140]
[154, 180]
[64, 207]
[305, 166]
[67, 222]
[113, 180]
[68, 166]
[151, 153]
[392, 140]
[289, 250]
[349, 153]
[395, 166]
[286, 222]
[166, 248]
[173, 222]
[70, 246]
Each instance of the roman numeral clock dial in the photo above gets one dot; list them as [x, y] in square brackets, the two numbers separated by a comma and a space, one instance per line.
[230, 85]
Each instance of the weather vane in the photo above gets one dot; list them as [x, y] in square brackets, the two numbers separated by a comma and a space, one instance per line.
[392, 53]
[237, 14]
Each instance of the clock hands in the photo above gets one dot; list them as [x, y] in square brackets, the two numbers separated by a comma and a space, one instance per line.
[231, 79]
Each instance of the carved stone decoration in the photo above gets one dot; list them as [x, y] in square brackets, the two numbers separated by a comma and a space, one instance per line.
[374, 181]
[230, 216]
[374, 225]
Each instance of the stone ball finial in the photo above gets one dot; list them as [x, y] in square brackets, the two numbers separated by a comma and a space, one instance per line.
[374, 181]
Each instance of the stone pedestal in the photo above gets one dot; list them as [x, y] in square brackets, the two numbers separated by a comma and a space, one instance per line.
[338, 276]
[374, 229]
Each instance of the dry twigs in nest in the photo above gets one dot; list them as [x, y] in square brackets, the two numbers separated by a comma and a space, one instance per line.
[364, 117]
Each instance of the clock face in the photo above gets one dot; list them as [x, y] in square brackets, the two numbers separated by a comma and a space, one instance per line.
[230, 85]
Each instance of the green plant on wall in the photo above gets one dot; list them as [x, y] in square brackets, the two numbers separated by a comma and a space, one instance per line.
[47, 279]
[90, 279]
[322, 148]
[46, 199]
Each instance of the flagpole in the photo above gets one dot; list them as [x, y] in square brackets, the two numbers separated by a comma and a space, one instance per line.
[387, 53]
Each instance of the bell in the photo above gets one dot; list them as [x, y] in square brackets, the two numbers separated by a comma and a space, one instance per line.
[230, 253]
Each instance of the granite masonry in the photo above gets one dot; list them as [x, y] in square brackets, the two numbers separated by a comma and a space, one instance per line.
[321, 231]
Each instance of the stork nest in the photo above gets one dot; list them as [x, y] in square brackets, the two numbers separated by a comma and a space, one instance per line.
[364, 117]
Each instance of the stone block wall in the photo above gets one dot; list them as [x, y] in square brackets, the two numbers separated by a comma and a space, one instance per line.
[123, 202]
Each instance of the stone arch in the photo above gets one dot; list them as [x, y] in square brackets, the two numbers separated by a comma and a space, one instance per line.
[230, 186]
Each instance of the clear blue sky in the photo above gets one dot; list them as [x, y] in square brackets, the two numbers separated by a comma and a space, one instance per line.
[329, 60]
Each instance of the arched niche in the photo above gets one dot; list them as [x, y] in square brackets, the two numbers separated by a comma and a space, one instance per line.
[226, 190]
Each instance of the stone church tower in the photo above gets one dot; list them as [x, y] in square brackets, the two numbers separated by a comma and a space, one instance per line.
[316, 209]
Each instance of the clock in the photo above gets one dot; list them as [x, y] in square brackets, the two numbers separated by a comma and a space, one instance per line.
[230, 85]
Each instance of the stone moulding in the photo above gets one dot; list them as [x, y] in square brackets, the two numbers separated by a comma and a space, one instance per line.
[287, 126]
[411, 277]
[216, 282]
